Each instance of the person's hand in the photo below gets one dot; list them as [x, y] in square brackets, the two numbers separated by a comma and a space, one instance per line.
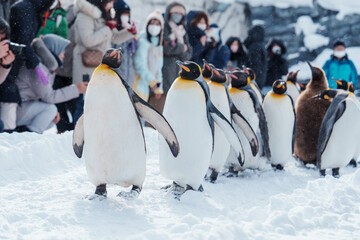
[186, 48]
[212, 43]
[203, 40]
[111, 24]
[8, 59]
[158, 96]
[42, 75]
[4, 48]
[132, 28]
[57, 118]
[82, 86]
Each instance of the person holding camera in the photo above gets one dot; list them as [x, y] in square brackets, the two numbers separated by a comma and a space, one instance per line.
[7, 57]
[37, 111]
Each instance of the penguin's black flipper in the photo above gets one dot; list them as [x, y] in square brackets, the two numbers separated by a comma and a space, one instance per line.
[156, 119]
[228, 130]
[334, 112]
[240, 120]
[78, 137]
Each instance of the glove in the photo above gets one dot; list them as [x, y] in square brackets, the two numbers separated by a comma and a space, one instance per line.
[132, 29]
[42, 75]
[111, 24]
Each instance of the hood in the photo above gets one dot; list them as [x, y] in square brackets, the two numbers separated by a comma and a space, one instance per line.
[87, 8]
[44, 54]
[167, 12]
[42, 5]
[55, 43]
[190, 16]
[256, 34]
[274, 41]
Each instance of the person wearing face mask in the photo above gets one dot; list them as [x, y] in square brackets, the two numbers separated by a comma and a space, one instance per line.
[238, 56]
[277, 65]
[123, 17]
[220, 54]
[198, 24]
[149, 58]
[176, 46]
[339, 66]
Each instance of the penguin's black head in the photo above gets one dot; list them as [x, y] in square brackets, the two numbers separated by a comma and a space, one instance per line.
[249, 72]
[292, 76]
[112, 58]
[189, 70]
[207, 70]
[219, 76]
[344, 85]
[239, 79]
[279, 87]
[327, 94]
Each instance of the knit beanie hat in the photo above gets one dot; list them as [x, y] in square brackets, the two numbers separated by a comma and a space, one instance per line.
[158, 16]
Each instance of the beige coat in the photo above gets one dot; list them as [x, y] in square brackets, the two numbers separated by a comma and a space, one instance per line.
[92, 33]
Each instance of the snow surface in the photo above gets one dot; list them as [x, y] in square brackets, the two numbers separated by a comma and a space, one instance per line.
[344, 7]
[353, 53]
[43, 189]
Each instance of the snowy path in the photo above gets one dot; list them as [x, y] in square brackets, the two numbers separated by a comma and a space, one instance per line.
[43, 188]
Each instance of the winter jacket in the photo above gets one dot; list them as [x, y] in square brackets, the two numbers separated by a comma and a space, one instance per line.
[25, 22]
[221, 56]
[92, 33]
[277, 65]
[66, 69]
[340, 69]
[56, 23]
[257, 54]
[173, 51]
[3, 73]
[237, 59]
[148, 65]
[199, 52]
[31, 90]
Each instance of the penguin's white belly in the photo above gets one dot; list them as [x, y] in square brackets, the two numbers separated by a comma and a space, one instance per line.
[221, 144]
[185, 110]
[280, 117]
[244, 103]
[292, 91]
[343, 142]
[114, 146]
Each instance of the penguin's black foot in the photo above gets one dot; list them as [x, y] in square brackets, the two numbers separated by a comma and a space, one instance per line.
[213, 176]
[167, 187]
[277, 167]
[201, 189]
[101, 190]
[177, 190]
[353, 163]
[322, 173]
[231, 173]
[133, 194]
[335, 172]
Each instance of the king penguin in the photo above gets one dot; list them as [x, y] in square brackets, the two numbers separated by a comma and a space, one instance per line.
[191, 113]
[220, 97]
[110, 133]
[207, 70]
[293, 88]
[246, 100]
[280, 116]
[251, 73]
[309, 116]
[338, 138]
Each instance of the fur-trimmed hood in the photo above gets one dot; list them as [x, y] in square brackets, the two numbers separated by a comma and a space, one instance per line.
[44, 54]
[87, 8]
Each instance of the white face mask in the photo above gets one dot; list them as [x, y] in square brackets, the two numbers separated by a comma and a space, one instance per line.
[339, 54]
[201, 26]
[234, 48]
[125, 19]
[276, 50]
[154, 30]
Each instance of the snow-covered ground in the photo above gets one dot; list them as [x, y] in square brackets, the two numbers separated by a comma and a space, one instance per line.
[43, 189]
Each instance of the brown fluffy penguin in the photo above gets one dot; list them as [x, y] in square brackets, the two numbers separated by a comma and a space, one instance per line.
[309, 115]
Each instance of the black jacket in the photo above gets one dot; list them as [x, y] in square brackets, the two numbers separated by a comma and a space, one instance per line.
[256, 53]
[239, 58]
[25, 22]
[277, 65]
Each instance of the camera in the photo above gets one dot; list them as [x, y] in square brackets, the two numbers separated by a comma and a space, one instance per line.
[86, 77]
[16, 48]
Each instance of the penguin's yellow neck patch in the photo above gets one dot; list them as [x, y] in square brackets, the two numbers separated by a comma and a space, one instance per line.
[207, 80]
[103, 68]
[180, 84]
[275, 95]
[216, 83]
[233, 90]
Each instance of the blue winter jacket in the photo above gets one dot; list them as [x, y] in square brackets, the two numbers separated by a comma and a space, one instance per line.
[340, 69]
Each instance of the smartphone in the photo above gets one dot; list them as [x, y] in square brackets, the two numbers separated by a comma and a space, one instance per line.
[86, 78]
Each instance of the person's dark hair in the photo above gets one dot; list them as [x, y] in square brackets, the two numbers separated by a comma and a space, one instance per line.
[148, 36]
[339, 43]
[240, 52]
[198, 17]
[4, 27]
[46, 6]
[101, 5]
[121, 7]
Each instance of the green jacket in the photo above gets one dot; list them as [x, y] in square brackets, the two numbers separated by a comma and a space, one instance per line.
[56, 23]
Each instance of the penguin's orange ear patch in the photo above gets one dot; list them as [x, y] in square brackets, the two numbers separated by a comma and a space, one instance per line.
[208, 67]
[216, 72]
[185, 68]
[113, 53]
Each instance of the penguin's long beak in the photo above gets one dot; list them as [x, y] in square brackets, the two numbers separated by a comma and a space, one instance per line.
[115, 53]
[338, 82]
[181, 64]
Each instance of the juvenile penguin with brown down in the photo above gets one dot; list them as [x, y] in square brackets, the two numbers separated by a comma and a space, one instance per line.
[309, 116]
